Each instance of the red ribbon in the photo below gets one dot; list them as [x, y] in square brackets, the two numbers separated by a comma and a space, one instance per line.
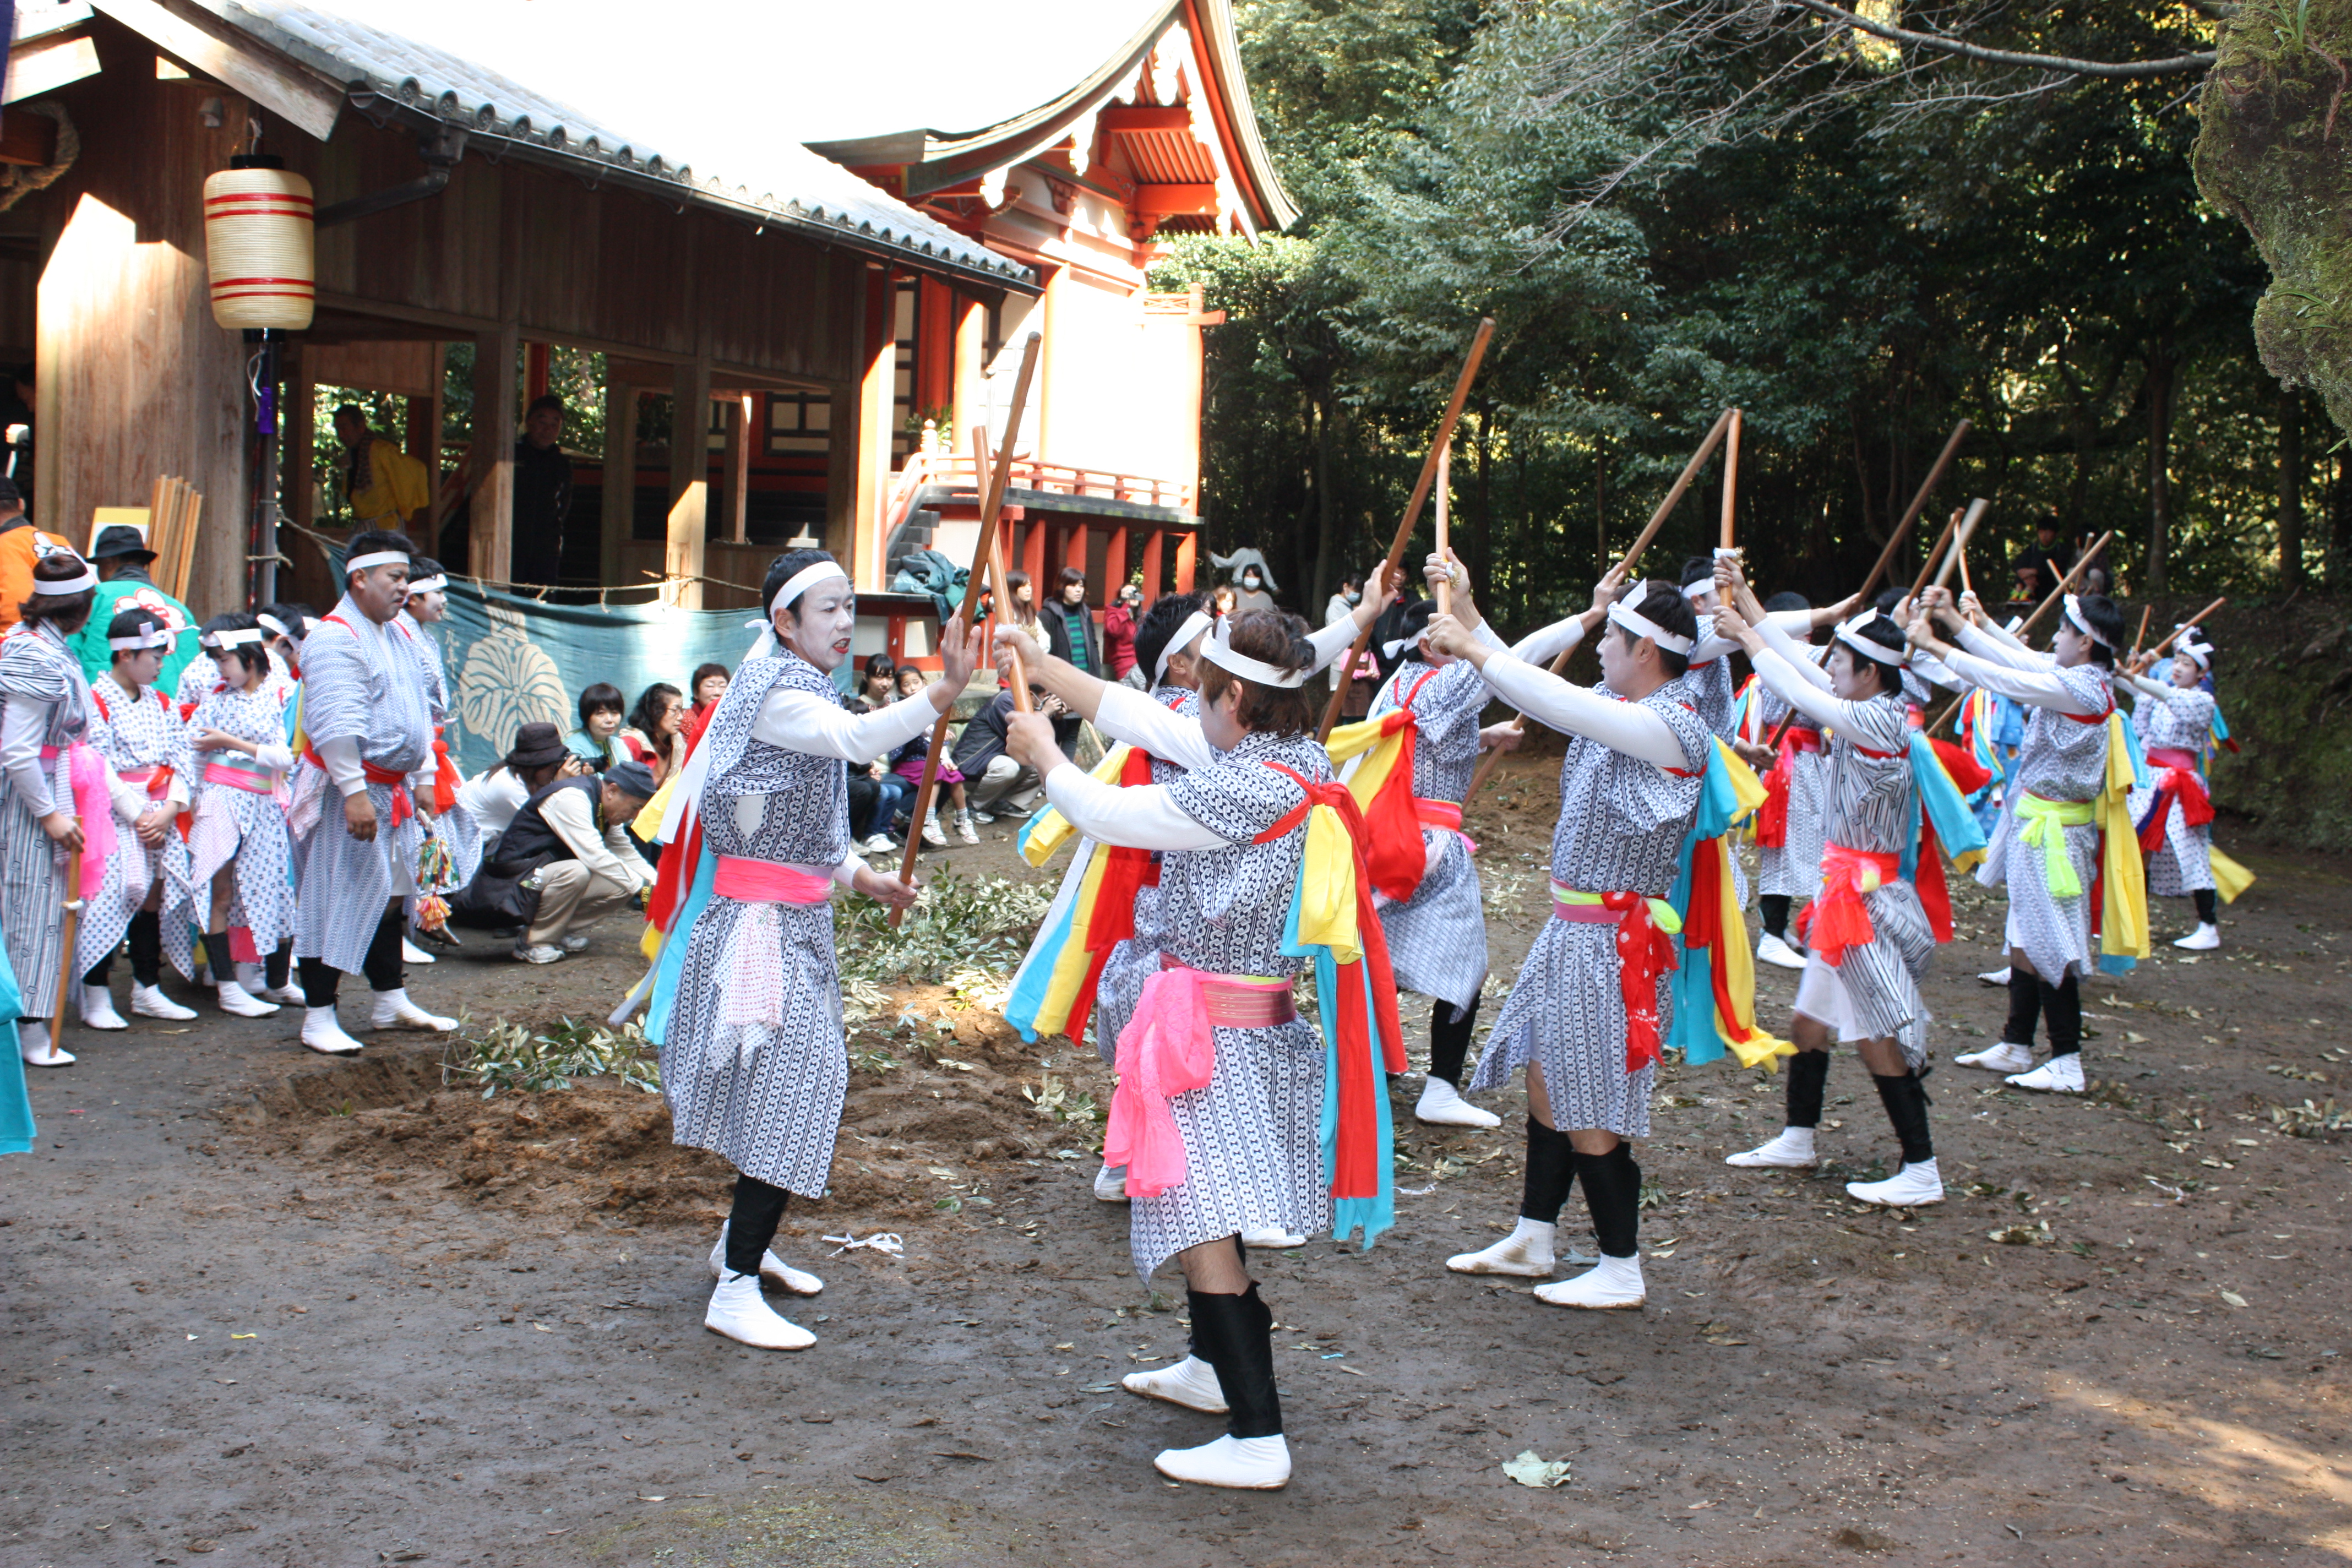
[2176, 782]
[1772, 816]
[1839, 917]
[1644, 952]
[445, 775]
[1355, 1167]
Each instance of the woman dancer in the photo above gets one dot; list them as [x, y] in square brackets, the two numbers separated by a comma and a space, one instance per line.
[239, 847]
[1868, 936]
[2175, 718]
[1590, 1008]
[747, 1006]
[1216, 1054]
[62, 797]
[2047, 847]
[1788, 824]
[140, 732]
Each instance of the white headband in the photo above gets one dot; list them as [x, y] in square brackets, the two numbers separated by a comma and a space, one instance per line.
[430, 586]
[2202, 652]
[1640, 625]
[227, 640]
[273, 626]
[149, 636]
[379, 558]
[1699, 590]
[1219, 650]
[802, 580]
[2074, 613]
[1192, 626]
[1850, 634]
[82, 585]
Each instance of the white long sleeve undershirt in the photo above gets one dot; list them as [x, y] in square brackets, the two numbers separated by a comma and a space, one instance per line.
[1621, 726]
[1139, 816]
[2038, 684]
[803, 721]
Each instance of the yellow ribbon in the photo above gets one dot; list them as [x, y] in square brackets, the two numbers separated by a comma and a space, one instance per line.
[2123, 918]
[1326, 893]
[1051, 829]
[2230, 879]
[2046, 822]
[1662, 913]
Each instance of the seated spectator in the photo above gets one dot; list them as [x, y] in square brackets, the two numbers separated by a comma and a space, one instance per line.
[994, 783]
[651, 736]
[907, 762]
[708, 685]
[492, 798]
[875, 794]
[563, 863]
[601, 708]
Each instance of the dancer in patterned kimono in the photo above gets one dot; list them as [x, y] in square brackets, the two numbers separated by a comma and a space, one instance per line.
[2046, 849]
[238, 846]
[747, 1003]
[2175, 719]
[1789, 825]
[147, 893]
[452, 824]
[1221, 1087]
[363, 797]
[1590, 1009]
[63, 798]
[1868, 936]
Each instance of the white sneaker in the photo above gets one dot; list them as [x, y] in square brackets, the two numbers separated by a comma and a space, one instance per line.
[33, 1043]
[1526, 1253]
[412, 954]
[935, 836]
[1614, 1284]
[576, 942]
[322, 1031]
[1791, 1151]
[540, 953]
[98, 1009]
[1441, 1105]
[239, 1003]
[1777, 953]
[1245, 1464]
[964, 829]
[1191, 1383]
[2002, 1057]
[1994, 976]
[772, 1269]
[2204, 939]
[1272, 1237]
[1111, 1183]
[1909, 1187]
[738, 1311]
[2059, 1075]
[149, 1002]
[879, 844]
[394, 1010]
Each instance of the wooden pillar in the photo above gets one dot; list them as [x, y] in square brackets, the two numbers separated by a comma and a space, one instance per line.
[875, 402]
[491, 554]
[1152, 566]
[739, 437]
[534, 371]
[1114, 565]
[1032, 554]
[618, 521]
[845, 484]
[308, 579]
[689, 481]
[971, 371]
[416, 432]
[1074, 545]
[1186, 544]
[935, 345]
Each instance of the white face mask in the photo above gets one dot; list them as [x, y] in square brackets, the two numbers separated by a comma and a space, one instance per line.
[1352, 596]
[1250, 582]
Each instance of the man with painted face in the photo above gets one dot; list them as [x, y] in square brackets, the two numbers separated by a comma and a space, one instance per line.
[754, 1064]
[1590, 1009]
[362, 801]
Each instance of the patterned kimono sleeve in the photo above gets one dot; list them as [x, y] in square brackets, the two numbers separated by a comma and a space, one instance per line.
[339, 685]
[1640, 796]
[1236, 800]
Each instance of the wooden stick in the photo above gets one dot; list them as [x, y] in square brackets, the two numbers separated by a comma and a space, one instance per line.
[1714, 437]
[2041, 609]
[1730, 475]
[2140, 636]
[70, 974]
[1918, 503]
[1478, 342]
[1941, 548]
[1444, 536]
[1977, 508]
[991, 484]
[1960, 553]
[2212, 608]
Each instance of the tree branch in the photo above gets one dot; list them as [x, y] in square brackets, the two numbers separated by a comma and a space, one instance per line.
[2128, 69]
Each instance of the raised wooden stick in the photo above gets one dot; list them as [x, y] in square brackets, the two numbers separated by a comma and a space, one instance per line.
[1730, 475]
[990, 483]
[2140, 636]
[2039, 610]
[2157, 651]
[1942, 549]
[1723, 424]
[1958, 554]
[1444, 536]
[1478, 342]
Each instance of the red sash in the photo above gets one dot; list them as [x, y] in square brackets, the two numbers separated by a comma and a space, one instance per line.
[2178, 782]
[1772, 816]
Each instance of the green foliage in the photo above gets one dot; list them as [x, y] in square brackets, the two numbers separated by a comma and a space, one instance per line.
[961, 931]
[509, 1057]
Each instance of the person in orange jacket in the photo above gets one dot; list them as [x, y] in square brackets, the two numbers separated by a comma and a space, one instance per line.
[21, 544]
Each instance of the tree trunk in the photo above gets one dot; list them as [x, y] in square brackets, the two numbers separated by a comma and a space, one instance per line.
[2290, 487]
[2161, 367]
[2339, 522]
[1327, 517]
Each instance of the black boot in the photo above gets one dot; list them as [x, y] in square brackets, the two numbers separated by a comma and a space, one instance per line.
[1907, 1107]
[751, 1223]
[1809, 1079]
[2062, 1008]
[1449, 1039]
[219, 959]
[147, 947]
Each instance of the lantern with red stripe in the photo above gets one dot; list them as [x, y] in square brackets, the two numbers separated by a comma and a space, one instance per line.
[258, 246]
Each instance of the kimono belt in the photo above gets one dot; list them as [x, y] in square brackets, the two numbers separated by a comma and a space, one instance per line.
[1839, 917]
[1772, 816]
[1168, 1048]
[2177, 780]
[753, 993]
[2046, 822]
[1645, 949]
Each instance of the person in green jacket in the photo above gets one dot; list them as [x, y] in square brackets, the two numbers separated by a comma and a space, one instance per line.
[121, 557]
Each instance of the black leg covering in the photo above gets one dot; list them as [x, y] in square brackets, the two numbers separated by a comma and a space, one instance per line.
[217, 955]
[319, 981]
[1809, 1078]
[751, 1223]
[1776, 913]
[1235, 1335]
[275, 967]
[147, 947]
[1449, 1039]
[382, 966]
[99, 973]
[1612, 1191]
[2062, 1007]
[1552, 1171]
[2024, 1008]
[1907, 1106]
[2209, 908]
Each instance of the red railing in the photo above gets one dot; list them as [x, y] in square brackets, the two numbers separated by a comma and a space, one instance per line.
[955, 471]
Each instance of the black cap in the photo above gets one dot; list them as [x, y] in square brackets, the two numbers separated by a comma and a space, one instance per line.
[536, 745]
[632, 777]
[119, 538]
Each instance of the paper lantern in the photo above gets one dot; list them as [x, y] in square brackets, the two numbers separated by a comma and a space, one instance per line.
[258, 247]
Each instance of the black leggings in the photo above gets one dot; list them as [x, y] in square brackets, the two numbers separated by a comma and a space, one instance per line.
[382, 966]
[1776, 913]
[1449, 1039]
[751, 1223]
[2209, 908]
[146, 953]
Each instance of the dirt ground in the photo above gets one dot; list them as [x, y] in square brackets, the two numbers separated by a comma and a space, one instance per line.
[260, 1307]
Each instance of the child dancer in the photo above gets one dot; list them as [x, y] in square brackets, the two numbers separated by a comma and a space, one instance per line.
[2175, 718]
[140, 732]
[1788, 824]
[239, 847]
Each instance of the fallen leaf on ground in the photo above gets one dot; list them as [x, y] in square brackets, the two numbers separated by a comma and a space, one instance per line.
[1529, 1470]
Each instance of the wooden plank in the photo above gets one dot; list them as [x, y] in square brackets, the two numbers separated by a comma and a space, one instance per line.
[618, 513]
[690, 482]
[1117, 119]
[1174, 201]
[228, 57]
[404, 369]
[47, 64]
[27, 139]
[741, 434]
[490, 460]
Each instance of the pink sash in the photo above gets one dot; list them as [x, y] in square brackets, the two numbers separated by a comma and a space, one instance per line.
[768, 882]
[86, 772]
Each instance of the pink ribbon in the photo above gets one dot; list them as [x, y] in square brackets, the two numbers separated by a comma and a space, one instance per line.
[86, 770]
[1167, 1048]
